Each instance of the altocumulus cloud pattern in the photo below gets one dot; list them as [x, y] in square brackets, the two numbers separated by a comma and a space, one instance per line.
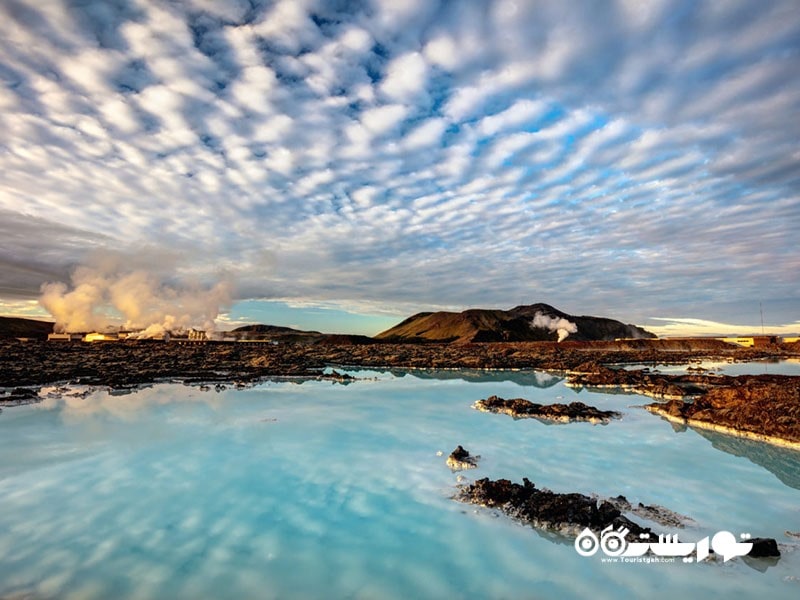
[631, 158]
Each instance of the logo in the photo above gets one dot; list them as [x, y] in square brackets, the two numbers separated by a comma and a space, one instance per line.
[614, 544]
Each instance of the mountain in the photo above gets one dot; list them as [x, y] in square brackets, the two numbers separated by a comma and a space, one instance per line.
[271, 329]
[287, 334]
[534, 322]
[13, 327]
[274, 332]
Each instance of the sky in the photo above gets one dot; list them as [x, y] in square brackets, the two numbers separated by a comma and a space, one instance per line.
[340, 165]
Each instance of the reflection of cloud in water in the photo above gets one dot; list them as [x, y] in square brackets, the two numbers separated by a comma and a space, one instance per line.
[538, 379]
[211, 515]
[781, 462]
[80, 402]
[187, 494]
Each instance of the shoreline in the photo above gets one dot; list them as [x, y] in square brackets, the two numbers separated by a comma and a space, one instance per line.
[741, 433]
[121, 367]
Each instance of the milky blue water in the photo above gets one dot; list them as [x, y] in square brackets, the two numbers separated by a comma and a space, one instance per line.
[756, 367]
[321, 490]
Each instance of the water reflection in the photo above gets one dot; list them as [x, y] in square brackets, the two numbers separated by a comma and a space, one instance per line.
[772, 366]
[784, 463]
[537, 379]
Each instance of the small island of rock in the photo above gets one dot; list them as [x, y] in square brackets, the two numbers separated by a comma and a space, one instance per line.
[566, 514]
[569, 514]
[460, 459]
[519, 408]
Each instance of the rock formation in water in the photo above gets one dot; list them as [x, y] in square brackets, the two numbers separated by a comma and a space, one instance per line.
[763, 407]
[19, 397]
[638, 381]
[519, 408]
[567, 514]
[764, 548]
[570, 514]
[460, 459]
[652, 512]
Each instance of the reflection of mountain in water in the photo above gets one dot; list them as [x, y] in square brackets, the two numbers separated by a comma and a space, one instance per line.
[537, 379]
[782, 462]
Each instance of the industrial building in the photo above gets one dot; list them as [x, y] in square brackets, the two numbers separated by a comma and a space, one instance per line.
[754, 341]
[64, 337]
[101, 337]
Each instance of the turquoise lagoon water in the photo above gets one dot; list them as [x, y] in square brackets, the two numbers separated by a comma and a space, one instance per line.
[756, 367]
[321, 490]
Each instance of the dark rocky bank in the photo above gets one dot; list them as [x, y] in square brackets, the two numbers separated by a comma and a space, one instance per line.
[763, 407]
[519, 408]
[130, 363]
[568, 514]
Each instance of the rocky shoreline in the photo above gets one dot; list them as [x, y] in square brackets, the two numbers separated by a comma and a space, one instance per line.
[760, 407]
[519, 408]
[764, 408]
[639, 381]
[26, 366]
[139, 361]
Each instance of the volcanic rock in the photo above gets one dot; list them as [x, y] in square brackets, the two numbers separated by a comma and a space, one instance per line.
[763, 548]
[460, 459]
[567, 514]
[762, 407]
[19, 397]
[638, 381]
[652, 512]
[519, 408]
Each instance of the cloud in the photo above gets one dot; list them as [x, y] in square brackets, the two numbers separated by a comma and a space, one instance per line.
[687, 326]
[623, 158]
[405, 80]
[385, 118]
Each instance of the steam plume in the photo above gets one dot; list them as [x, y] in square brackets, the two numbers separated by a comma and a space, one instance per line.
[137, 299]
[558, 324]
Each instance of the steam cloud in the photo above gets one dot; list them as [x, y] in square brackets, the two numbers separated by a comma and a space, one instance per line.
[558, 324]
[140, 300]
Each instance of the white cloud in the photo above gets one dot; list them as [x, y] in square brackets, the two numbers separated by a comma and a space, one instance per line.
[523, 112]
[383, 119]
[443, 51]
[254, 88]
[427, 134]
[688, 326]
[466, 102]
[405, 79]
[647, 159]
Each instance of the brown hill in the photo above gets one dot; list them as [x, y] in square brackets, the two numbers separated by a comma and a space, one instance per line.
[279, 333]
[14, 327]
[535, 322]
[275, 333]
